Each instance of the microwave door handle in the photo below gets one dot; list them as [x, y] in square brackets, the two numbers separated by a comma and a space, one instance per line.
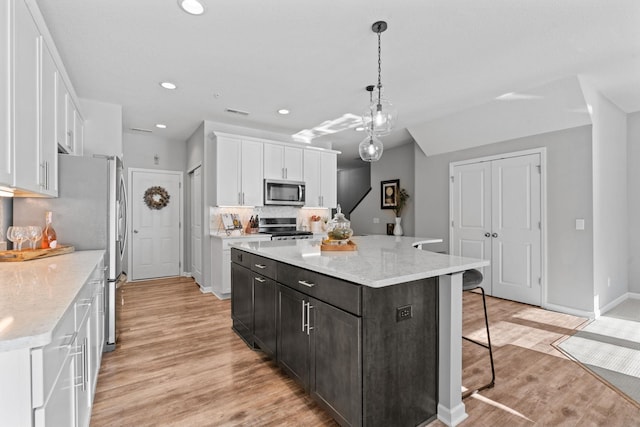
[299, 192]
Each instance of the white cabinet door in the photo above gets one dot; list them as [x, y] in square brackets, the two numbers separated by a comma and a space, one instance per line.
[6, 163]
[228, 172]
[329, 179]
[48, 144]
[252, 173]
[273, 161]
[293, 164]
[60, 409]
[283, 162]
[26, 58]
[78, 132]
[321, 178]
[61, 113]
[312, 178]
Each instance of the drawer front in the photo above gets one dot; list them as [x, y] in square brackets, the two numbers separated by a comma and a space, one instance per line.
[83, 302]
[47, 361]
[341, 294]
[264, 266]
[241, 257]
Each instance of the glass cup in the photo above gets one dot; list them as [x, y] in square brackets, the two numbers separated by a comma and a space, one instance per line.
[34, 232]
[17, 235]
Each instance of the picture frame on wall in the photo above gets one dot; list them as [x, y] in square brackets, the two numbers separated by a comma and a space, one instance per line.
[389, 193]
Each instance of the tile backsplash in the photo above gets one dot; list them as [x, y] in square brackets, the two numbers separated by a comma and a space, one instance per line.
[302, 215]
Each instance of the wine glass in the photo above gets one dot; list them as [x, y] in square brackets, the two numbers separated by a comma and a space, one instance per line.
[34, 232]
[16, 235]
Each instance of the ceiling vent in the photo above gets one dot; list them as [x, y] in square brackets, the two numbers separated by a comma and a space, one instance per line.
[141, 130]
[234, 111]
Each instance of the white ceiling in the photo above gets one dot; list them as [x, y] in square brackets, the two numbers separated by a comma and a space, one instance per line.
[315, 57]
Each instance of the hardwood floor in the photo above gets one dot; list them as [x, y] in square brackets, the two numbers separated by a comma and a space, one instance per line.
[178, 363]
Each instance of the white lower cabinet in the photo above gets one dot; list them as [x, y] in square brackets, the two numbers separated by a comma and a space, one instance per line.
[221, 261]
[64, 372]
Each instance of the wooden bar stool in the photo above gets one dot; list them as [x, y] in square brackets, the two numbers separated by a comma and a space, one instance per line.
[471, 280]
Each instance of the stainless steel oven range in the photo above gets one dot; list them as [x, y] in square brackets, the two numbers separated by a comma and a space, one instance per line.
[282, 229]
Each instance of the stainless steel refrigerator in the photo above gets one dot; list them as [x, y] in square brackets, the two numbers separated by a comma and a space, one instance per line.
[89, 213]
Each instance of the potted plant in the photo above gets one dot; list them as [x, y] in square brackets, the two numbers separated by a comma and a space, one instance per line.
[403, 198]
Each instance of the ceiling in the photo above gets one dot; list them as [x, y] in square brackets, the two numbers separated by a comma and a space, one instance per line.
[315, 57]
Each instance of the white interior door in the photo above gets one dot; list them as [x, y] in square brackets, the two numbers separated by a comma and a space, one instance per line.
[195, 186]
[496, 215]
[471, 215]
[156, 232]
[516, 235]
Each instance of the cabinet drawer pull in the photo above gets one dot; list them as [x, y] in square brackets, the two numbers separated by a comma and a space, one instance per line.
[262, 266]
[307, 284]
[260, 279]
[70, 340]
[309, 327]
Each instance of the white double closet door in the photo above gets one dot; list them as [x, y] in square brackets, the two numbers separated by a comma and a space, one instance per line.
[496, 215]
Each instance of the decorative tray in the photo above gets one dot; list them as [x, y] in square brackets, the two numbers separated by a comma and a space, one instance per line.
[30, 254]
[331, 245]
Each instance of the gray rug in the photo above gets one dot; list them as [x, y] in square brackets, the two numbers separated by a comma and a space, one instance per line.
[610, 347]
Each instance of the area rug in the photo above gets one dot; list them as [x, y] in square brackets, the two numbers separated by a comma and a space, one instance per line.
[610, 348]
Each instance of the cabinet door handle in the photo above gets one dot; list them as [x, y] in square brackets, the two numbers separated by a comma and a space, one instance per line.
[260, 279]
[303, 313]
[261, 266]
[46, 174]
[307, 284]
[309, 327]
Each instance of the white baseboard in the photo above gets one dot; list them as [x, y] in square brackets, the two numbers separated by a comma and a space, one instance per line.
[569, 310]
[633, 295]
[613, 303]
[221, 296]
[452, 416]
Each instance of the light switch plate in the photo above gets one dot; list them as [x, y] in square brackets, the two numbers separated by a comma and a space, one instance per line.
[579, 224]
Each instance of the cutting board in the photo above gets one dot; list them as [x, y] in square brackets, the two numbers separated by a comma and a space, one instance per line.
[349, 246]
[29, 254]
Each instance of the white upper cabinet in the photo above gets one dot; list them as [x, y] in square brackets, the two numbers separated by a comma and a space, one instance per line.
[25, 69]
[321, 178]
[283, 162]
[34, 99]
[238, 172]
[48, 142]
[6, 164]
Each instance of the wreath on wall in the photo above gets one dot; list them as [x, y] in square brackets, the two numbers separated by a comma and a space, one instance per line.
[156, 197]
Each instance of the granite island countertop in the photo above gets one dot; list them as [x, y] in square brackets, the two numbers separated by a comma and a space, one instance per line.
[35, 294]
[379, 260]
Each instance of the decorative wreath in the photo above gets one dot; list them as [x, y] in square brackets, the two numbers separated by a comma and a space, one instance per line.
[156, 198]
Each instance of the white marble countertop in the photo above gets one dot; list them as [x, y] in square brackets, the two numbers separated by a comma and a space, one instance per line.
[260, 236]
[379, 261]
[35, 294]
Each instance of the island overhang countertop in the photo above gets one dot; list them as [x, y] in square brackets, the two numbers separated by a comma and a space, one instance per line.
[378, 261]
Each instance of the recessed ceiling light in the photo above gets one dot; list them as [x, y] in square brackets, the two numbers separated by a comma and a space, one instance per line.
[168, 85]
[192, 7]
[283, 111]
[161, 126]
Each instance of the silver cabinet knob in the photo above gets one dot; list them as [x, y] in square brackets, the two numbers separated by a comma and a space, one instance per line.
[494, 235]
[135, 231]
[487, 234]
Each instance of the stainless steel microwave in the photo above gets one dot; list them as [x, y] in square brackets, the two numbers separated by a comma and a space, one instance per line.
[284, 193]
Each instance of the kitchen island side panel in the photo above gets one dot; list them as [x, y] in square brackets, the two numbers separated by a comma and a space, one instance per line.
[400, 363]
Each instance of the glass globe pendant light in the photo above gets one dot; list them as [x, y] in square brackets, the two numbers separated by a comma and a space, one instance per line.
[381, 112]
[370, 148]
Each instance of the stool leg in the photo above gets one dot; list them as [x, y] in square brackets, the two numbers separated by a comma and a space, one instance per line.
[487, 346]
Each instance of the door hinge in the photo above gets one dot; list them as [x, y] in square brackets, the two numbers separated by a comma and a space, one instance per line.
[539, 168]
[539, 225]
[452, 223]
[180, 184]
[452, 179]
[539, 280]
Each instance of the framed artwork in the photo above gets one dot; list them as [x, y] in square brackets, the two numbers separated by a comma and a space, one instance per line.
[389, 193]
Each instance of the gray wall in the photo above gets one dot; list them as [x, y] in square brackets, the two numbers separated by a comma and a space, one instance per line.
[6, 218]
[633, 179]
[569, 196]
[396, 163]
[352, 186]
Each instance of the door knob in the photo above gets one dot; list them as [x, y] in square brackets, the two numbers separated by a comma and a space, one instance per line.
[494, 235]
[487, 234]
[135, 231]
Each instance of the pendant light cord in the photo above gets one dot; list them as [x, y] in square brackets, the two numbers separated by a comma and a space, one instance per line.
[379, 70]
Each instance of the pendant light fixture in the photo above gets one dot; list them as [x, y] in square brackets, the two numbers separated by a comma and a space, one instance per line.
[370, 148]
[381, 112]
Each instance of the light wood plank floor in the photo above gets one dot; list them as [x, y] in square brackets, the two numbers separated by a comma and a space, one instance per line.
[178, 363]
